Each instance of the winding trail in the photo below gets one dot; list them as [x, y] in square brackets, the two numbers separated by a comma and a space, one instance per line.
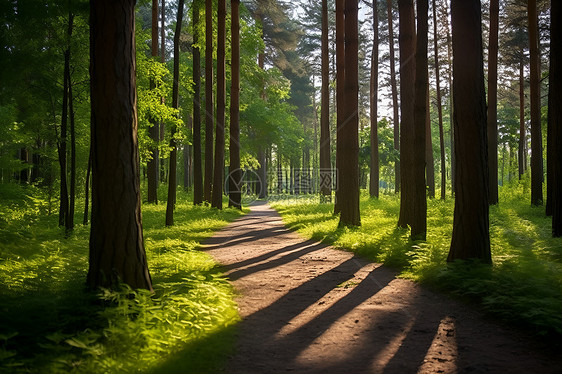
[309, 308]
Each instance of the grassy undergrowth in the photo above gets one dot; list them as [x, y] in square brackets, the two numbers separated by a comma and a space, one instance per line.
[523, 287]
[50, 324]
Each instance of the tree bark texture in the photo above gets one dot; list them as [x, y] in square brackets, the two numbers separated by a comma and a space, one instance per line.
[116, 239]
[340, 95]
[429, 160]
[555, 114]
[172, 172]
[197, 159]
[394, 90]
[325, 158]
[349, 132]
[209, 107]
[419, 156]
[471, 238]
[235, 174]
[407, 40]
[493, 102]
[374, 88]
[536, 132]
[439, 106]
[221, 102]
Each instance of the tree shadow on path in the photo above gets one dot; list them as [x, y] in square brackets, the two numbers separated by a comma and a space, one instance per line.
[308, 308]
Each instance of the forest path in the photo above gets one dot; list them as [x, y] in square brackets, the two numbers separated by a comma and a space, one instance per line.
[309, 308]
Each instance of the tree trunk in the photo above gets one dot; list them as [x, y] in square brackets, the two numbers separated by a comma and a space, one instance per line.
[471, 238]
[235, 174]
[493, 102]
[209, 107]
[69, 222]
[439, 106]
[451, 105]
[522, 138]
[64, 204]
[325, 158]
[555, 115]
[349, 132]
[221, 101]
[162, 126]
[87, 189]
[72, 193]
[197, 170]
[340, 95]
[116, 240]
[536, 133]
[172, 173]
[394, 90]
[152, 165]
[407, 40]
[419, 156]
[187, 158]
[429, 160]
[374, 136]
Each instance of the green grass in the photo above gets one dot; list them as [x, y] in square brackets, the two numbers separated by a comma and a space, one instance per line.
[49, 323]
[523, 287]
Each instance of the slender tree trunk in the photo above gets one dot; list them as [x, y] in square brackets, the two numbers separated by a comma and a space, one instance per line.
[429, 160]
[62, 150]
[187, 158]
[197, 170]
[419, 219]
[340, 95]
[349, 132]
[536, 133]
[374, 136]
[235, 175]
[116, 240]
[172, 173]
[522, 137]
[471, 238]
[87, 189]
[394, 90]
[221, 102]
[555, 115]
[451, 104]
[407, 97]
[325, 158]
[152, 165]
[493, 102]
[209, 107]
[72, 193]
[162, 126]
[439, 106]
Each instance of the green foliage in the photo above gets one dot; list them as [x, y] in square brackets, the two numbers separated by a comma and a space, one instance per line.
[50, 324]
[522, 287]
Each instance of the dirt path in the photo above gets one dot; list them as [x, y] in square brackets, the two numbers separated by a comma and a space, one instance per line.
[308, 308]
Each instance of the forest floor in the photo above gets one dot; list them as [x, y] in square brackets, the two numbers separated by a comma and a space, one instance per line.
[309, 308]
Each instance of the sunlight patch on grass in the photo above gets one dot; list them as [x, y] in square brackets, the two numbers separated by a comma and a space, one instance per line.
[50, 324]
[523, 286]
